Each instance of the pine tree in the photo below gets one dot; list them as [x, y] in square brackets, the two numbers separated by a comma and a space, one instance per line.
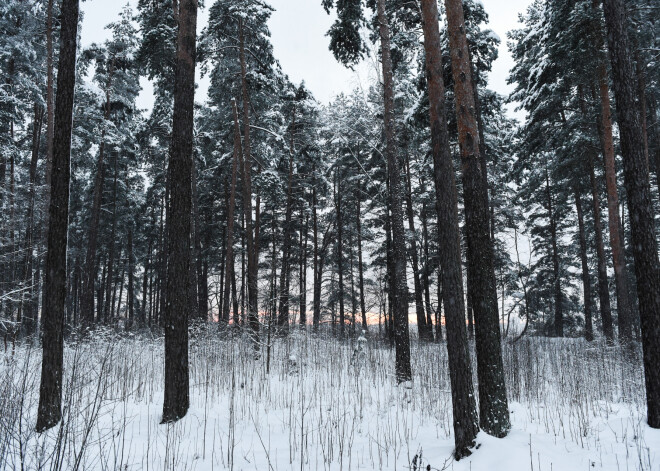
[50, 391]
[177, 400]
[647, 269]
[460, 370]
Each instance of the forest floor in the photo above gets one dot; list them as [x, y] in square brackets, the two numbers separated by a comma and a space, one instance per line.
[574, 406]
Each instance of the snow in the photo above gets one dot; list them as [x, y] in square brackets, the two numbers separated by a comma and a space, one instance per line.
[573, 406]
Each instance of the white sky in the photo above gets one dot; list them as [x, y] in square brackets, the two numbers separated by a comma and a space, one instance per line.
[298, 30]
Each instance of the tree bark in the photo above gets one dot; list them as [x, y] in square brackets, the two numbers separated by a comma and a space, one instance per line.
[29, 321]
[246, 164]
[493, 406]
[303, 267]
[398, 286]
[340, 254]
[177, 399]
[640, 207]
[285, 273]
[554, 255]
[450, 279]
[426, 278]
[50, 390]
[586, 282]
[229, 260]
[131, 286]
[363, 309]
[603, 285]
[614, 223]
[422, 327]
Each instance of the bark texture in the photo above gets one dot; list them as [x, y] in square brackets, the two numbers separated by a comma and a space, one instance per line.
[398, 286]
[177, 399]
[450, 273]
[493, 406]
[50, 391]
[640, 208]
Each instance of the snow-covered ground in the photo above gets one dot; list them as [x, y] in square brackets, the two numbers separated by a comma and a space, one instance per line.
[574, 406]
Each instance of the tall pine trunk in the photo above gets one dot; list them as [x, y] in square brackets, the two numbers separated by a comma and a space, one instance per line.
[422, 327]
[614, 222]
[229, 260]
[363, 309]
[450, 277]
[50, 390]
[246, 168]
[640, 207]
[340, 254]
[398, 284]
[586, 281]
[603, 285]
[493, 406]
[177, 399]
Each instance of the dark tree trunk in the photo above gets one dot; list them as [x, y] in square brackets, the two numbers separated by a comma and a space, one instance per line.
[398, 285]
[246, 166]
[493, 406]
[450, 279]
[640, 207]
[603, 285]
[616, 241]
[29, 322]
[340, 254]
[302, 279]
[50, 391]
[363, 309]
[145, 284]
[586, 281]
[111, 257]
[425, 277]
[177, 397]
[285, 273]
[554, 254]
[131, 268]
[229, 260]
[422, 327]
[198, 284]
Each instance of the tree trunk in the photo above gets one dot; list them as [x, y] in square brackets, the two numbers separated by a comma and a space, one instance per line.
[229, 260]
[317, 265]
[285, 273]
[303, 266]
[554, 254]
[450, 279]
[340, 254]
[398, 286]
[246, 164]
[422, 327]
[586, 282]
[614, 223]
[640, 208]
[131, 290]
[493, 406]
[50, 390]
[426, 279]
[603, 286]
[29, 323]
[111, 257]
[177, 398]
[363, 309]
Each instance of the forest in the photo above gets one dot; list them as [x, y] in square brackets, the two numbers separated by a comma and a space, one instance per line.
[409, 276]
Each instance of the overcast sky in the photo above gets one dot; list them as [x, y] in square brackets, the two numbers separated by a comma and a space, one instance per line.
[298, 35]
